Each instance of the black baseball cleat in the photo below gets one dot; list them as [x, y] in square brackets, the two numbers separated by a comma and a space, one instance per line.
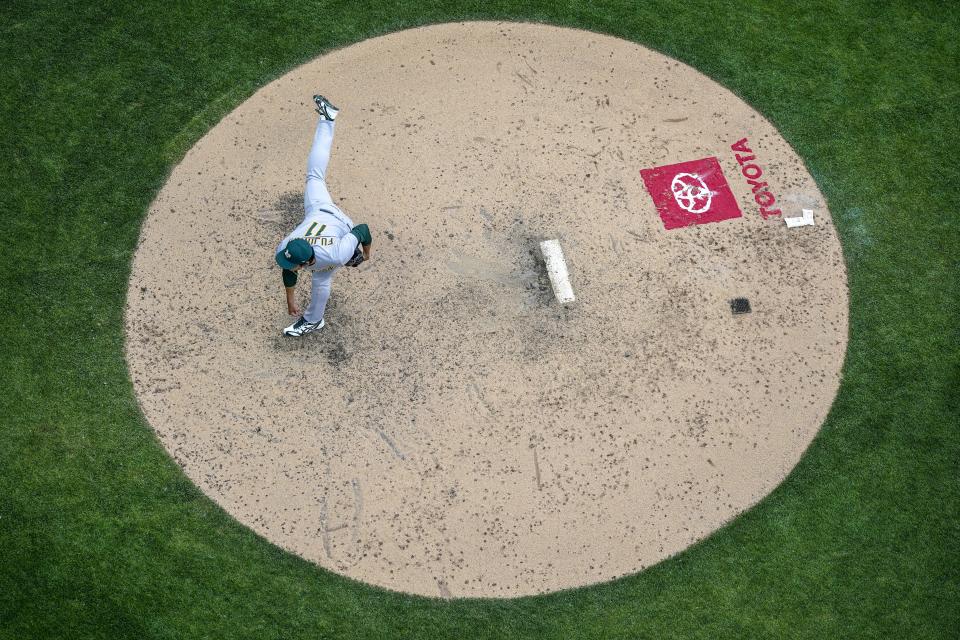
[325, 108]
[301, 327]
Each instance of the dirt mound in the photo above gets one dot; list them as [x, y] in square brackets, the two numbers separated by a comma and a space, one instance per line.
[453, 431]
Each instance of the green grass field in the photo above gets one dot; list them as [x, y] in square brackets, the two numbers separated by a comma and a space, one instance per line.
[101, 536]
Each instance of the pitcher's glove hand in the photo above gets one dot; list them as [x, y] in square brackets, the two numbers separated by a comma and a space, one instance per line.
[356, 259]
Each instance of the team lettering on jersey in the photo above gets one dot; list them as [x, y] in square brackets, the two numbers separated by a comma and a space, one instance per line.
[314, 237]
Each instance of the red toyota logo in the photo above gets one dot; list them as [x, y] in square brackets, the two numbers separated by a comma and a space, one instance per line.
[693, 192]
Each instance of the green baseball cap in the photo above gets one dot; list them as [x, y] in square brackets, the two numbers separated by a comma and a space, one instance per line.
[296, 253]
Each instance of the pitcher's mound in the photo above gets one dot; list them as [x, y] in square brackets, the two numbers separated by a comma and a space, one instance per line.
[454, 430]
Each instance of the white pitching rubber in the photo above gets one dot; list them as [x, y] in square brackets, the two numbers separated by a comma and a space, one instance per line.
[557, 270]
[805, 220]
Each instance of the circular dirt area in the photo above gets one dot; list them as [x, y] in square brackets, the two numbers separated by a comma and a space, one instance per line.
[454, 430]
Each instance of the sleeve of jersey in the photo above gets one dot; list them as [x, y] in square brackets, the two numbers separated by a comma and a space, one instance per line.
[362, 232]
[289, 278]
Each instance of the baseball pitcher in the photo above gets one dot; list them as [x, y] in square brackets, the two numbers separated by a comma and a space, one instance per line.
[326, 239]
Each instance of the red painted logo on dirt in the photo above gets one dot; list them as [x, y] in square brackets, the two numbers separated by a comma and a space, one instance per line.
[752, 172]
[693, 192]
